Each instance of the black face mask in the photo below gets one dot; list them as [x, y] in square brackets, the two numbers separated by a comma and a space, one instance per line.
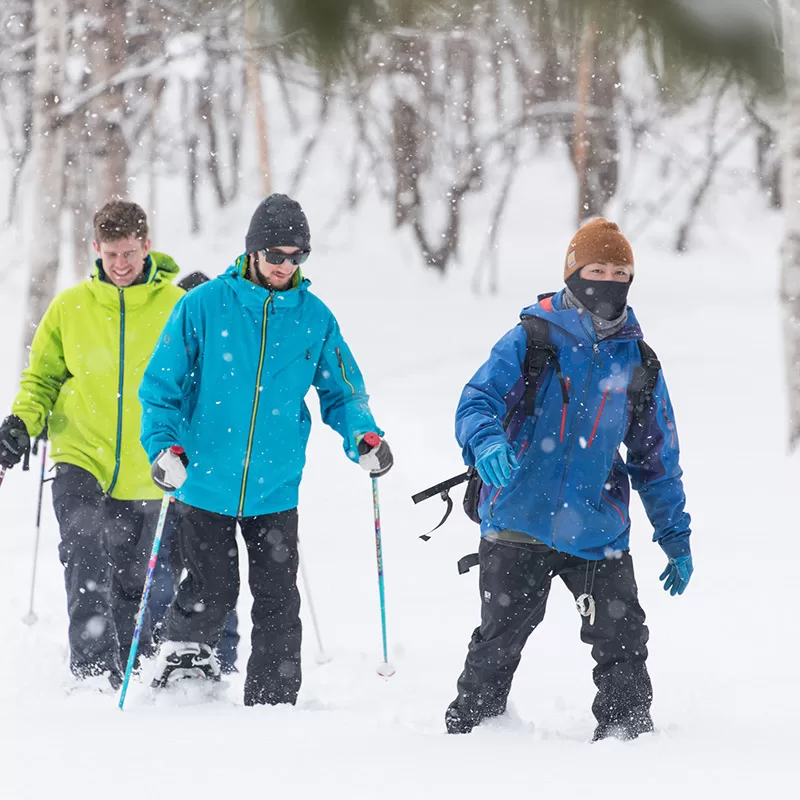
[605, 299]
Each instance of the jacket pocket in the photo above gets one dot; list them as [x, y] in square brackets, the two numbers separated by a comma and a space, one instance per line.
[619, 507]
[343, 368]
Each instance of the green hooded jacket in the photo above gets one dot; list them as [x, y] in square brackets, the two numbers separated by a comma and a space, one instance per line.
[86, 362]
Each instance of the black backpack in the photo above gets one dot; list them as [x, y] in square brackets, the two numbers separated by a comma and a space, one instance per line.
[540, 353]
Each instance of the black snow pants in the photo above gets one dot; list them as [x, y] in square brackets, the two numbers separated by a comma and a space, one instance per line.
[209, 592]
[105, 546]
[514, 585]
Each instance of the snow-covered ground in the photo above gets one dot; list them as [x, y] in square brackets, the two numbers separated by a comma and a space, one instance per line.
[723, 657]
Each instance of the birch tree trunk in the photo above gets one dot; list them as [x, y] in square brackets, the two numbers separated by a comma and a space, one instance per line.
[106, 54]
[790, 273]
[44, 239]
[252, 21]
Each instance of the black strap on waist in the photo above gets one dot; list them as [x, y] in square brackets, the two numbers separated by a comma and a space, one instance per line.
[443, 490]
[466, 563]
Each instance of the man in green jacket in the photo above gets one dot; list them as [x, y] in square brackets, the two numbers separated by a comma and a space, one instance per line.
[86, 362]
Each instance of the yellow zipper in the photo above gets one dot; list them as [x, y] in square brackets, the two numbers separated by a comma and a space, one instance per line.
[344, 371]
[255, 404]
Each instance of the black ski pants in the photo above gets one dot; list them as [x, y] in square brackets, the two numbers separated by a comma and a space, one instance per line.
[514, 585]
[105, 546]
[210, 589]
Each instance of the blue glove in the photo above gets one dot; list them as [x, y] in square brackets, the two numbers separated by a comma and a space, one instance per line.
[677, 574]
[496, 463]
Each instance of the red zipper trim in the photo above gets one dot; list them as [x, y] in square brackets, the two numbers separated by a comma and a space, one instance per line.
[564, 413]
[670, 426]
[597, 419]
[615, 507]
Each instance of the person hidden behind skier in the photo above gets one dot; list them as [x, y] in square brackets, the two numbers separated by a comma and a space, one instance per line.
[226, 385]
[86, 360]
[556, 491]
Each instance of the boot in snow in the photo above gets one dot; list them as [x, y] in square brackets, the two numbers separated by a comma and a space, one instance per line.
[626, 729]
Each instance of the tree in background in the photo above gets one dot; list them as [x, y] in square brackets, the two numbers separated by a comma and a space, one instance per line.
[446, 100]
[47, 140]
[790, 275]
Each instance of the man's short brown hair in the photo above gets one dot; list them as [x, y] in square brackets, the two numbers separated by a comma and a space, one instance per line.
[119, 219]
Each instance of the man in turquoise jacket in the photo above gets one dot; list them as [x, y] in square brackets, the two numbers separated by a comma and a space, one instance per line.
[225, 426]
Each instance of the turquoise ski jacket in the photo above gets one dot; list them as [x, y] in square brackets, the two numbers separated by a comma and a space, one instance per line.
[228, 380]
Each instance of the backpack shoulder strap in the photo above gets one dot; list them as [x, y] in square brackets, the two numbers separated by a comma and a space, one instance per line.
[539, 351]
[645, 377]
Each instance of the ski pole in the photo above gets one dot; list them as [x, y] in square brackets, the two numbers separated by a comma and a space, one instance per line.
[30, 618]
[2, 474]
[385, 669]
[322, 656]
[151, 566]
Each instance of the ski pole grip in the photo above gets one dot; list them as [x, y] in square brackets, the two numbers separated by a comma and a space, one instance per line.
[368, 441]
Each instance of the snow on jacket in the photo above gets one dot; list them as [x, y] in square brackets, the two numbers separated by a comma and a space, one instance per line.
[86, 361]
[572, 489]
[228, 380]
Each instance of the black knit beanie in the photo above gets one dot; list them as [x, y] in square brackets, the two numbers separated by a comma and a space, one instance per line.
[278, 222]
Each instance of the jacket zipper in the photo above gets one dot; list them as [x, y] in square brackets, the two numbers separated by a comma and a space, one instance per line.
[119, 390]
[571, 447]
[255, 405]
[344, 371]
[568, 385]
[597, 418]
[497, 493]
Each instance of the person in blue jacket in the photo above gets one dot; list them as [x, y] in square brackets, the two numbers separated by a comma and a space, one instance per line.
[225, 425]
[555, 499]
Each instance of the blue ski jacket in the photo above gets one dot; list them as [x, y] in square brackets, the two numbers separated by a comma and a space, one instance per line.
[572, 489]
[227, 382]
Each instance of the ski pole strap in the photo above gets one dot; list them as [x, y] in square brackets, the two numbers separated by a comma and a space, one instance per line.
[443, 490]
[466, 563]
[42, 437]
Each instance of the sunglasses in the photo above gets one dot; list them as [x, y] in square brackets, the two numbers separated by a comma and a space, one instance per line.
[275, 257]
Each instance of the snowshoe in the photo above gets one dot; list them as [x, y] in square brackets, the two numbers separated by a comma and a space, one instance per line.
[180, 660]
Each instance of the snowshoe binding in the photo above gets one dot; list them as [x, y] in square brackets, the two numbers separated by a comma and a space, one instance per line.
[181, 660]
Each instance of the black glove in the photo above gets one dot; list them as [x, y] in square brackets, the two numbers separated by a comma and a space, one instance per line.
[169, 469]
[374, 455]
[14, 441]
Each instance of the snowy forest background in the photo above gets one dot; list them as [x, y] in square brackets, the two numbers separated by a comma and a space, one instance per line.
[446, 101]
[445, 152]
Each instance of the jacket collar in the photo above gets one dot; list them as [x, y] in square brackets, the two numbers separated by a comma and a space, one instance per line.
[253, 294]
[550, 306]
[159, 269]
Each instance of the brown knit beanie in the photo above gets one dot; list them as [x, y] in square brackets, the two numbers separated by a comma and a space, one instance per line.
[597, 241]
